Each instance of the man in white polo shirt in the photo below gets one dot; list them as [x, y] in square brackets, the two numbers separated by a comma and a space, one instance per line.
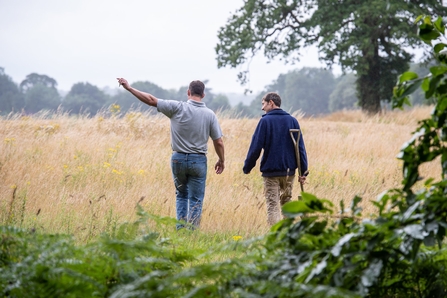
[192, 123]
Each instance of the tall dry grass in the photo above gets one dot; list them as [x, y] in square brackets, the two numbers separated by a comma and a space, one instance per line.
[83, 175]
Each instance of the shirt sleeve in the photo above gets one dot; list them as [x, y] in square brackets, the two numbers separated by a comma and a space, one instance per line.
[168, 107]
[216, 131]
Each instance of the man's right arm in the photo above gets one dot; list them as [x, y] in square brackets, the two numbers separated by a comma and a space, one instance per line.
[254, 151]
[220, 151]
[147, 98]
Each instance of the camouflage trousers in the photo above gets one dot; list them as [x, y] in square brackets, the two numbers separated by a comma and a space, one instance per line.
[277, 192]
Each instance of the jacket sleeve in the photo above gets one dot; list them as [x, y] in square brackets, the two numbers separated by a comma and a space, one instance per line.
[257, 143]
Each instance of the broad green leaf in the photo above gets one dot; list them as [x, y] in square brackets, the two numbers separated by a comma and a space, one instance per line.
[296, 207]
[397, 91]
[438, 70]
[439, 47]
[407, 76]
[355, 202]
[410, 89]
[427, 33]
[432, 86]
[315, 203]
[425, 84]
[439, 25]
[418, 19]
[442, 105]
[276, 226]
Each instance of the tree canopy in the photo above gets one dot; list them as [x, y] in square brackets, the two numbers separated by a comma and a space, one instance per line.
[367, 37]
[10, 97]
[85, 97]
[307, 89]
[41, 97]
[343, 96]
[34, 79]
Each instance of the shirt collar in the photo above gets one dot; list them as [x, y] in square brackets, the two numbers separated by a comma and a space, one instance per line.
[196, 103]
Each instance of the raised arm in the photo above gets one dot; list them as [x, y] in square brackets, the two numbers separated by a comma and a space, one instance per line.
[147, 98]
[219, 147]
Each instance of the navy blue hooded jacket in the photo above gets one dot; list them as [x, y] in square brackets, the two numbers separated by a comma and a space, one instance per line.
[272, 134]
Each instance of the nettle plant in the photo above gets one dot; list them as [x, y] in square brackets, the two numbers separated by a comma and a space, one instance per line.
[399, 252]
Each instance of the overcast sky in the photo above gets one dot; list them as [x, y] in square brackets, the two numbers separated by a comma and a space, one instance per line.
[166, 42]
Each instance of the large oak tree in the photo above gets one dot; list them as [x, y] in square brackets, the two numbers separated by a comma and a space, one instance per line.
[370, 38]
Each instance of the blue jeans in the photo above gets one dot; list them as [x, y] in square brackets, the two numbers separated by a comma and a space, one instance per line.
[189, 174]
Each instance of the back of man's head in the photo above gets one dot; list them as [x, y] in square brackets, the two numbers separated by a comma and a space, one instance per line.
[273, 96]
[197, 88]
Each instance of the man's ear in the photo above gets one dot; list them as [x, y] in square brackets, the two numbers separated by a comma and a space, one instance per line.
[203, 95]
[188, 92]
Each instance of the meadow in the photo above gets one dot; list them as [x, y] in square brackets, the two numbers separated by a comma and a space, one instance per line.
[84, 176]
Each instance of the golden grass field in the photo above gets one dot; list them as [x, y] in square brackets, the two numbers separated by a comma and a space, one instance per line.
[83, 175]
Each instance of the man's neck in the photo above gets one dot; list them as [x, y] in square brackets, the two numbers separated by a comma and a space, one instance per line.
[195, 98]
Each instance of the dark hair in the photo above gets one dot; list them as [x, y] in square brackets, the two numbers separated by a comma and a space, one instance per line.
[272, 96]
[196, 88]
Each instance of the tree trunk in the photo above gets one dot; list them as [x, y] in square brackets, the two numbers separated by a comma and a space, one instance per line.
[368, 82]
[369, 92]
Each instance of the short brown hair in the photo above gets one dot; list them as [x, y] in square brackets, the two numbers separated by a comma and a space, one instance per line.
[197, 88]
[272, 96]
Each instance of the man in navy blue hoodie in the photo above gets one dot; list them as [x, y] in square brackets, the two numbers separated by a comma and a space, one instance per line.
[278, 163]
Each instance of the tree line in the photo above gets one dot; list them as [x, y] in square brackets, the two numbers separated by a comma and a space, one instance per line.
[314, 91]
[317, 91]
[39, 92]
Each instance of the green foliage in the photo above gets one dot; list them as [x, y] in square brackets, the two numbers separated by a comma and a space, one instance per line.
[367, 37]
[131, 261]
[11, 99]
[314, 91]
[344, 94]
[84, 98]
[40, 93]
[249, 111]
[36, 265]
[428, 140]
[41, 97]
[37, 79]
[306, 89]
[422, 70]
[217, 102]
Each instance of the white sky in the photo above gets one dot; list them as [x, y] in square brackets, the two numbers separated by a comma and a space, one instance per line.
[166, 42]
